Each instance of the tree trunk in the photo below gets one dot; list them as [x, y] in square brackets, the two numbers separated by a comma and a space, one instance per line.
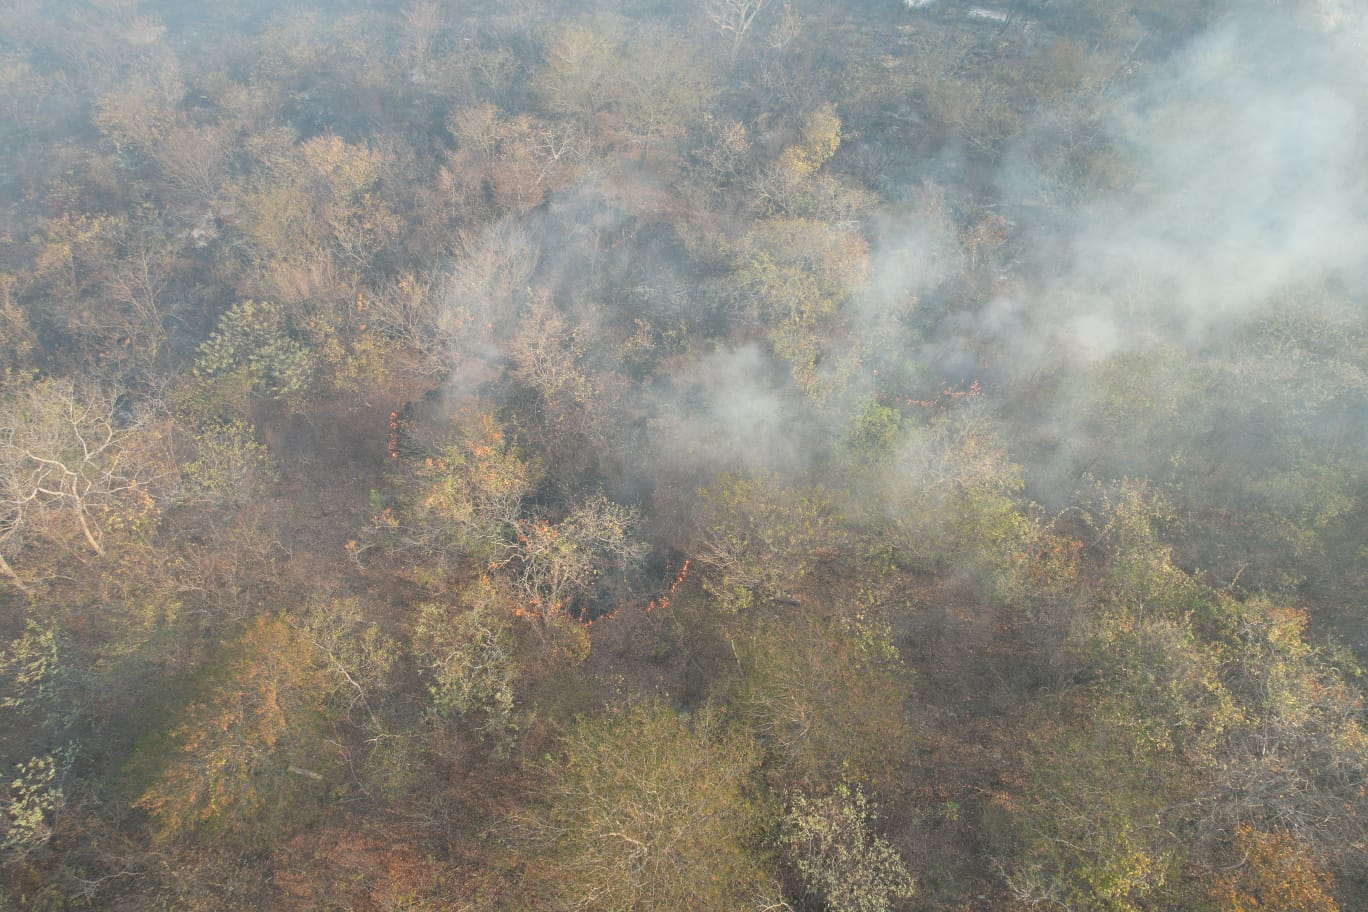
[89, 535]
[8, 571]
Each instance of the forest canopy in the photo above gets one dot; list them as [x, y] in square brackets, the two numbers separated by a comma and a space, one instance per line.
[616, 455]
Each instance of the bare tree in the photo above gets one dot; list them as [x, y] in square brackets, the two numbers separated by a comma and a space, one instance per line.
[61, 461]
[734, 18]
[423, 23]
[193, 160]
[555, 563]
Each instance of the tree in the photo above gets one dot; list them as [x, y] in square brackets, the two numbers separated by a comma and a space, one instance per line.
[28, 801]
[230, 753]
[63, 462]
[251, 354]
[645, 809]
[556, 564]
[1089, 833]
[1275, 873]
[1205, 718]
[821, 137]
[643, 80]
[822, 697]
[316, 213]
[250, 741]
[758, 539]
[422, 23]
[36, 694]
[734, 18]
[193, 160]
[230, 468]
[952, 499]
[662, 88]
[517, 159]
[830, 841]
[470, 651]
[466, 496]
[793, 277]
[580, 62]
[452, 318]
[1296, 760]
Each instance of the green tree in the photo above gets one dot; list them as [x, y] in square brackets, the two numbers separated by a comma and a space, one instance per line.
[951, 497]
[1204, 717]
[794, 277]
[642, 80]
[823, 697]
[1090, 833]
[830, 841]
[251, 354]
[260, 732]
[758, 539]
[645, 809]
[237, 754]
[29, 799]
[471, 653]
[229, 469]
[466, 497]
[821, 137]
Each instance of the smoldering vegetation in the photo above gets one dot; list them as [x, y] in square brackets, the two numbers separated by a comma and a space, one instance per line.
[726, 454]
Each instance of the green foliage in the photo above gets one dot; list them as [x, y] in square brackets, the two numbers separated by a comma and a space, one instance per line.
[582, 60]
[28, 803]
[1138, 413]
[467, 497]
[821, 137]
[794, 276]
[1243, 441]
[823, 697]
[32, 671]
[225, 762]
[830, 841]
[951, 498]
[470, 651]
[1127, 521]
[138, 115]
[1163, 687]
[644, 78]
[469, 500]
[230, 469]
[314, 211]
[645, 809]
[1205, 715]
[37, 697]
[873, 434]
[1090, 828]
[1298, 757]
[250, 354]
[355, 657]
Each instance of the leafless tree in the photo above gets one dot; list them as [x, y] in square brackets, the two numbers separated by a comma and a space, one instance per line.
[734, 18]
[61, 461]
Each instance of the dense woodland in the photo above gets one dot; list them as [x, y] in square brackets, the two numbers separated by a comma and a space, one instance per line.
[708, 455]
